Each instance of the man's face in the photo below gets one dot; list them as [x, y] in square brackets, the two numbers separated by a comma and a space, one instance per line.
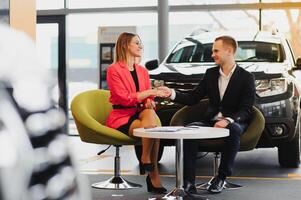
[220, 52]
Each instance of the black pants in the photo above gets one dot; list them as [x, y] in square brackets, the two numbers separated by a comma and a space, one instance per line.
[228, 154]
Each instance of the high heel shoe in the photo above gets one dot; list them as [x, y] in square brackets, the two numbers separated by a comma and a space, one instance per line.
[141, 168]
[146, 167]
[151, 188]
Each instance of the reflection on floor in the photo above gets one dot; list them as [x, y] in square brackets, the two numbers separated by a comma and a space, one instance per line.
[257, 170]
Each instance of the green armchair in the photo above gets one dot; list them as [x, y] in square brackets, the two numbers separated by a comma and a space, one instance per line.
[248, 140]
[90, 110]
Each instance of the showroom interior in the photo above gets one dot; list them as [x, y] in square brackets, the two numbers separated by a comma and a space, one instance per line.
[51, 51]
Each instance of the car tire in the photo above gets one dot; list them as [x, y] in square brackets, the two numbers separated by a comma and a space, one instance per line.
[289, 153]
[138, 152]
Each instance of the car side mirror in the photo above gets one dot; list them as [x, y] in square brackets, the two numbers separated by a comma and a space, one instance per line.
[298, 64]
[152, 64]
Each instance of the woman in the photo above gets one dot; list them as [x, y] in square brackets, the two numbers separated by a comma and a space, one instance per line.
[133, 104]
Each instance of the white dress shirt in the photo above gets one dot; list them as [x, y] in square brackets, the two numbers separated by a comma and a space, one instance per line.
[223, 81]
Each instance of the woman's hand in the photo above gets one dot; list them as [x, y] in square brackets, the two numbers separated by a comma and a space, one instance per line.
[150, 104]
[160, 93]
[164, 91]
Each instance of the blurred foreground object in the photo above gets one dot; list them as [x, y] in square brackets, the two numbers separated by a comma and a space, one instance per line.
[35, 161]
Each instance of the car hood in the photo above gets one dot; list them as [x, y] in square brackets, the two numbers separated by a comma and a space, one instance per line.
[196, 68]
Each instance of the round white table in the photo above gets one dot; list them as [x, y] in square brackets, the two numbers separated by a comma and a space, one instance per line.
[180, 133]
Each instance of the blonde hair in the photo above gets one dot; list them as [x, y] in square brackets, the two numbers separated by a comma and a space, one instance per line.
[121, 46]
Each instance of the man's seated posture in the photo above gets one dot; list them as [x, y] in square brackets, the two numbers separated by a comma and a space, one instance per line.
[231, 93]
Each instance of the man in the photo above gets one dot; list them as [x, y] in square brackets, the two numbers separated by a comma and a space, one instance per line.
[231, 93]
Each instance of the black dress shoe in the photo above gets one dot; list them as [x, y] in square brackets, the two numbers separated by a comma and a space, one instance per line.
[151, 188]
[217, 185]
[190, 188]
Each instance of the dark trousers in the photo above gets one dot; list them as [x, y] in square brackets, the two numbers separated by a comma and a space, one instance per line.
[228, 153]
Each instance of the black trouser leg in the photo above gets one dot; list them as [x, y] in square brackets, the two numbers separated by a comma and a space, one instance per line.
[232, 145]
[190, 153]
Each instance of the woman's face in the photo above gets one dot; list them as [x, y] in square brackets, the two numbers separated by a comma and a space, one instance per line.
[135, 47]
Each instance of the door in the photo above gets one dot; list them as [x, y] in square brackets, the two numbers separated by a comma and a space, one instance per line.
[51, 46]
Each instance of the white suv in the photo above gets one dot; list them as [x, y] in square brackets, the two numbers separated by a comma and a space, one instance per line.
[269, 57]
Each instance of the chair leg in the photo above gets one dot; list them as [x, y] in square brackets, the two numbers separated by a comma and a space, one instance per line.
[216, 162]
[117, 182]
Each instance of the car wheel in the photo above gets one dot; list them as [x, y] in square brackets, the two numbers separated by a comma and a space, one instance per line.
[289, 153]
[138, 152]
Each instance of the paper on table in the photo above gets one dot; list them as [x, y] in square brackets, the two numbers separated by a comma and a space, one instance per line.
[168, 129]
[164, 129]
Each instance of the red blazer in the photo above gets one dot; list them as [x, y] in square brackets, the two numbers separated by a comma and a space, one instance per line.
[123, 91]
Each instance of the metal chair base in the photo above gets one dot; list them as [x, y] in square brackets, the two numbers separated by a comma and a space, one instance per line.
[228, 185]
[116, 183]
[179, 194]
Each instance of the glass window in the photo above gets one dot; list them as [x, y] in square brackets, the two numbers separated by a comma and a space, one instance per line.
[47, 45]
[4, 11]
[286, 22]
[83, 33]
[209, 2]
[83, 44]
[49, 4]
[190, 52]
[277, 1]
[259, 52]
[109, 3]
[47, 50]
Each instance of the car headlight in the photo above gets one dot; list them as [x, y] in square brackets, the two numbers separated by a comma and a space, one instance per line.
[270, 87]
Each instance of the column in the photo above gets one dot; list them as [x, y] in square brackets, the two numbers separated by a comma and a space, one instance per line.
[163, 28]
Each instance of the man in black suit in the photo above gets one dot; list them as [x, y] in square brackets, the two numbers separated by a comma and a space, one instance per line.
[231, 93]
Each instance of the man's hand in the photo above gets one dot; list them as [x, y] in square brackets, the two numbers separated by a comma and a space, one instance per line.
[221, 123]
[165, 91]
[150, 104]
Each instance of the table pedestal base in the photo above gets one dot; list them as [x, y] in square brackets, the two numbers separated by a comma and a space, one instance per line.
[180, 194]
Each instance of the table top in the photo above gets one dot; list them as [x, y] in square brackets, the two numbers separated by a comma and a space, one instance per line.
[181, 132]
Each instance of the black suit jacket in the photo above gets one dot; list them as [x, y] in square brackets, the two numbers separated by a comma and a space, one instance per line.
[238, 97]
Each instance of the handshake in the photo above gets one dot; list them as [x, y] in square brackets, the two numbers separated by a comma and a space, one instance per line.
[162, 91]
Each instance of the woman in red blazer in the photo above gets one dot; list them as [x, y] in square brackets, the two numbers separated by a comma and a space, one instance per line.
[133, 104]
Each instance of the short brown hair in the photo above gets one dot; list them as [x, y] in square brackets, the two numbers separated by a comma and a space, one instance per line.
[121, 46]
[228, 40]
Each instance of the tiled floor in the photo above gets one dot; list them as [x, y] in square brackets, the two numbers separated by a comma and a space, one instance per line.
[253, 169]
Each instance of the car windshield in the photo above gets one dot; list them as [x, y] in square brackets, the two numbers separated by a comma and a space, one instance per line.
[248, 51]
